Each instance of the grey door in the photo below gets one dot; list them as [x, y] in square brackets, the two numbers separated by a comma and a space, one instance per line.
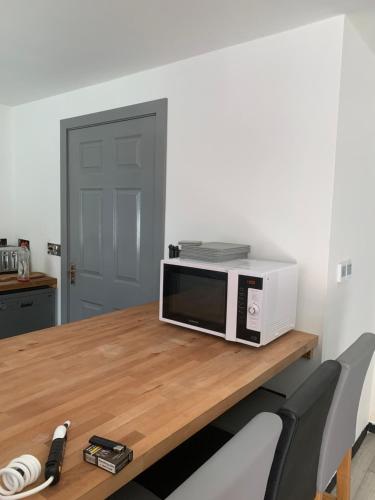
[115, 216]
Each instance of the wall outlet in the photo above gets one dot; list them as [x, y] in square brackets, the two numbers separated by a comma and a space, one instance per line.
[54, 249]
[344, 271]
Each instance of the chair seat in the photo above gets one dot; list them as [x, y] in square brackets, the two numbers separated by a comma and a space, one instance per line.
[262, 400]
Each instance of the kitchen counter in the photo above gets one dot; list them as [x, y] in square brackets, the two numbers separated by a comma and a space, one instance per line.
[8, 282]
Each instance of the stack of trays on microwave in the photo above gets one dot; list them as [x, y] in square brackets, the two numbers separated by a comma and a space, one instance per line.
[213, 251]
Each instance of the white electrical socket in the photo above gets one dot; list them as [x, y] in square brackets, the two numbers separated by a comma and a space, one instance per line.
[344, 271]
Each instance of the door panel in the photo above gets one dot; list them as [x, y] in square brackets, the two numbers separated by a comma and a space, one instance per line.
[127, 234]
[91, 215]
[112, 216]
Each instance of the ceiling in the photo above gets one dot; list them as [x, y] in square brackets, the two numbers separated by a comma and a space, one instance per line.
[52, 46]
[364, 20]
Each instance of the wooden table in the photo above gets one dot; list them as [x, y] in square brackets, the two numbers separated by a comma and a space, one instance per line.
[130, 378]
[8, 282]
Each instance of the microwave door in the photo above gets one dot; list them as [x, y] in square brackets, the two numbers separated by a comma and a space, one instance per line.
[195, 297]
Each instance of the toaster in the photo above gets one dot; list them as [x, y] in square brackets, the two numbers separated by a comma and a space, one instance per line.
[8, 259]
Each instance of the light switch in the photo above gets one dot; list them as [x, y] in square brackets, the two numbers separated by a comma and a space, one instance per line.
[349, 269]
[344, 271]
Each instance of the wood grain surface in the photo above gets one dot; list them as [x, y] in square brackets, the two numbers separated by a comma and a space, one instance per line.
[9, 282]
[128, 377]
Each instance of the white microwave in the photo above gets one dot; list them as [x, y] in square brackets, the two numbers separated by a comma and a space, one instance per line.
[248, 301]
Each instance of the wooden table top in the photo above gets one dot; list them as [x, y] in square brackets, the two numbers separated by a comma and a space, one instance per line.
[8, 282]
[128, 377]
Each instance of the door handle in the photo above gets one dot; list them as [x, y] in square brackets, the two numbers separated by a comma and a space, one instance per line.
[73, 274]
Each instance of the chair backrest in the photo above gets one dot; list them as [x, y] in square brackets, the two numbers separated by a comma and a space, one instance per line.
[240, 469]
[295, 466]
[339, 433]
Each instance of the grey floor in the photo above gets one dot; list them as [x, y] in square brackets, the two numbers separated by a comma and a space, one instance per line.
[363, 471]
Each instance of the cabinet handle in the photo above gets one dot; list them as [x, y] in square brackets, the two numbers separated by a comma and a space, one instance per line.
[26, 304]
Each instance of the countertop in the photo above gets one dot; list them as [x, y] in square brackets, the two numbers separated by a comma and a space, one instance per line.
[8, 282]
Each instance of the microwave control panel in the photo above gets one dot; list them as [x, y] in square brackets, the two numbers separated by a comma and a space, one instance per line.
[249, 308]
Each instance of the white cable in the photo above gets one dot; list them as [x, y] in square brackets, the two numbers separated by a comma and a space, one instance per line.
[18, 474]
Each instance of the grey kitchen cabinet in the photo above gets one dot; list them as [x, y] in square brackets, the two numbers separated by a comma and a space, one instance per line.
[26, 311]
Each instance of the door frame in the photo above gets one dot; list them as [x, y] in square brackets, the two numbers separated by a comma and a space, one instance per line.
[157, 108]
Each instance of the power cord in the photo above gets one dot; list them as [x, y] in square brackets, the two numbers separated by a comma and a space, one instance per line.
[26, 469]
[20, 473]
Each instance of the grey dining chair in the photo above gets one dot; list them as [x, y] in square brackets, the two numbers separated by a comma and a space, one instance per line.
[339, 433]
[294, 470]
[239, 470]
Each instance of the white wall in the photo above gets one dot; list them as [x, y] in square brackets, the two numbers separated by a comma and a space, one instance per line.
[6, 181]
[251, 147]
[351, 305]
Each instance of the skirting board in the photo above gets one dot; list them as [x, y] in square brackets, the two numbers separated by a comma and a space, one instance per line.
[369, 428]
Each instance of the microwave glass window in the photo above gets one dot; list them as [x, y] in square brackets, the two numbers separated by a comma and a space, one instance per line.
[195, 296]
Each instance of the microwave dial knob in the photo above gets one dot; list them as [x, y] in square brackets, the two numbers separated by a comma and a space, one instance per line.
[254, 309]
